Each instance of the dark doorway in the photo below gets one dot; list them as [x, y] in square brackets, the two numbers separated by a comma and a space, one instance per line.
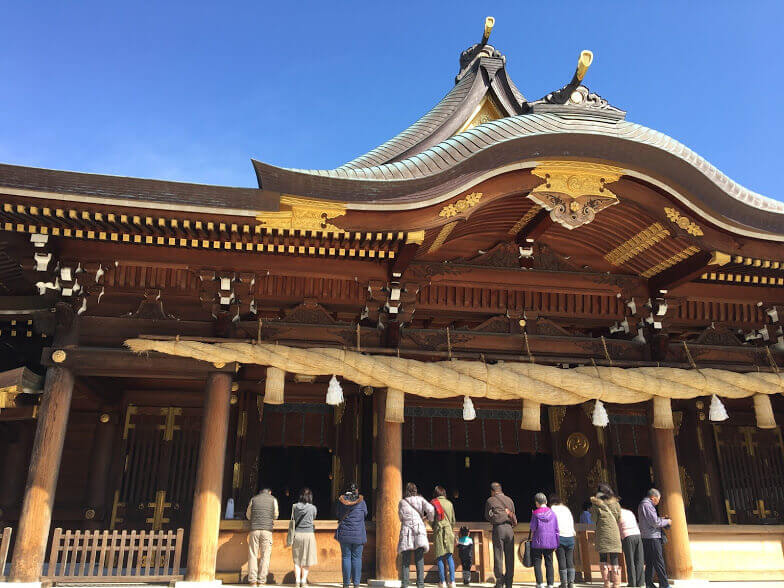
[286, 470]
[467, 477]
[634, 479]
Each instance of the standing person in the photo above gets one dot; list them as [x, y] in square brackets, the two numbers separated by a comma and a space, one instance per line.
[544, 539]
[632, 548]
[444, 537]
[651, 525]
[500, 512]
[303, 549]
[465, 547]
[606, 514]
[351, 534]
[413, 510]
[261, 514]
[585, 515]
[566, 540]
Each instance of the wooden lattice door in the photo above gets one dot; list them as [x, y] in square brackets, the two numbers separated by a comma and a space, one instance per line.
[752, 473]
[160, 452]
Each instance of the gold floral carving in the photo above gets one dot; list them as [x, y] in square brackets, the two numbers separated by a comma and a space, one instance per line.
[574, 191]
[303, 214]
[565, 482]
[687, 486]
[670, 261]
[461, 206]
[577, 444]
[556, 414]
[683, 222]
[632, 247]
[596, 475]
[525, 219]
[442, 236]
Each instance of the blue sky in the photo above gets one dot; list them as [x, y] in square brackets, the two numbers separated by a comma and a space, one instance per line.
[192, 90]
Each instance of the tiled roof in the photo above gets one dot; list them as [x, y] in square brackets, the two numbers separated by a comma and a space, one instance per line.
[134, 189]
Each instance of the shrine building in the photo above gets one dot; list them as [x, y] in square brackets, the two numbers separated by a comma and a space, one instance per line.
[539, 292]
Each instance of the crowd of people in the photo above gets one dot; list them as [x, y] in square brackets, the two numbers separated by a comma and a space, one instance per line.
[552, 536]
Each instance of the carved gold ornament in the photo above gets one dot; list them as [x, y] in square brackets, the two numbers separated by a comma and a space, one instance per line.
[574, 191]
[632, 247]
[303, 214]
[687, 486]
[683, 222]
[565, 482]
[486, 111]
[670, 261]
[596, 476]
[578, 444]
[556, 414]
[58, 356]
[443, 235]
[461, 206]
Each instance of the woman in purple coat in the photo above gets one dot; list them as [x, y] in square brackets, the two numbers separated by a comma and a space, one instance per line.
[544, 539]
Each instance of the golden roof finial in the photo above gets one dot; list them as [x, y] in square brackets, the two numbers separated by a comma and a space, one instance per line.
[489, 23]
[583, 63]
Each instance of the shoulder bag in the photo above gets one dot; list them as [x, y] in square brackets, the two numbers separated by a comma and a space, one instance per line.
[526, 555]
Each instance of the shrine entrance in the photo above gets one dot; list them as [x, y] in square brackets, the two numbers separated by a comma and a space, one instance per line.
[439, 447]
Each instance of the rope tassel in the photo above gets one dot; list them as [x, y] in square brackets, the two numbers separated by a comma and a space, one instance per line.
[334, 392]
[600, 416]
[469, 414]
[717, 412]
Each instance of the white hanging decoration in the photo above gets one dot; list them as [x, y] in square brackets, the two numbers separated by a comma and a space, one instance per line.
[469, 414]
[334, 392]
[600, 416]
[717, 412]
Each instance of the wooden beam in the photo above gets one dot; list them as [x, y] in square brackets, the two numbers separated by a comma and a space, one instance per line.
[11, 306]
[406, 254]
[534, 229]
[685, 271]
[96, 361]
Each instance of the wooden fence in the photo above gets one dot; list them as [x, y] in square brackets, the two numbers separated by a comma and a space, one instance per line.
[115, 556]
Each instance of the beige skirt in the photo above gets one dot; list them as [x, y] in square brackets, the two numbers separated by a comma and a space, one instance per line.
[304, 550]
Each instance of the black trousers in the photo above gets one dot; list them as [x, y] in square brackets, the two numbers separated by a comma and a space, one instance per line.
[632, 552]
[654, 562]
[503, 549]
[547, 555]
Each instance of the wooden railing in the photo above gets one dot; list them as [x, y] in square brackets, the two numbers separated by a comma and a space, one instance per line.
[5, 544]
[115, 556]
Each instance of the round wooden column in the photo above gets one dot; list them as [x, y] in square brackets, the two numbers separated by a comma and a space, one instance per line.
[36, 517]
[203, 544]
[677, 550]
[389, 460]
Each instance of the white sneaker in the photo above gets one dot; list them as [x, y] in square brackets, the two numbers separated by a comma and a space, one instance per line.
[442, 585]
[452, 585]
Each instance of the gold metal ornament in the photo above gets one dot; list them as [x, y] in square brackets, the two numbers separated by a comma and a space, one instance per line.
[578, 444]
[574, 191]
[461, 206]
[104, 418]
[58, 356]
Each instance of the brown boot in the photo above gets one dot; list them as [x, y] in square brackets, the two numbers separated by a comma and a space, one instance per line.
[604, 570]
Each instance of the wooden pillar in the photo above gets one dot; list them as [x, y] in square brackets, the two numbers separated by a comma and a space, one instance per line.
[36, 516]
[203, 545]
[389, 460]
[677, 550]
[100, 464]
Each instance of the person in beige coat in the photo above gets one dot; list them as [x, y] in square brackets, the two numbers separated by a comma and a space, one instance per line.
[606, 513]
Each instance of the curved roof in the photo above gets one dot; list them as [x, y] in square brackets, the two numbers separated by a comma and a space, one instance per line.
[471, 154]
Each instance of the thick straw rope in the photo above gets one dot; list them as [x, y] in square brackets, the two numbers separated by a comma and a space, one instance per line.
[538, 384]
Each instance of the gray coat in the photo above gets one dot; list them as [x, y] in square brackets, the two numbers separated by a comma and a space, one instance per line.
[413, 533]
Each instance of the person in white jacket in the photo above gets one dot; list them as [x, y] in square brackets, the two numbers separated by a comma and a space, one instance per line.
[566, 540]
[413, 510]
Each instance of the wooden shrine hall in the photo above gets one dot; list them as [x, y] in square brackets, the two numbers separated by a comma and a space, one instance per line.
[532, 291]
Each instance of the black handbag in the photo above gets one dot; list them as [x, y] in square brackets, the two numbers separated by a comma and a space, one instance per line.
[526, 555]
